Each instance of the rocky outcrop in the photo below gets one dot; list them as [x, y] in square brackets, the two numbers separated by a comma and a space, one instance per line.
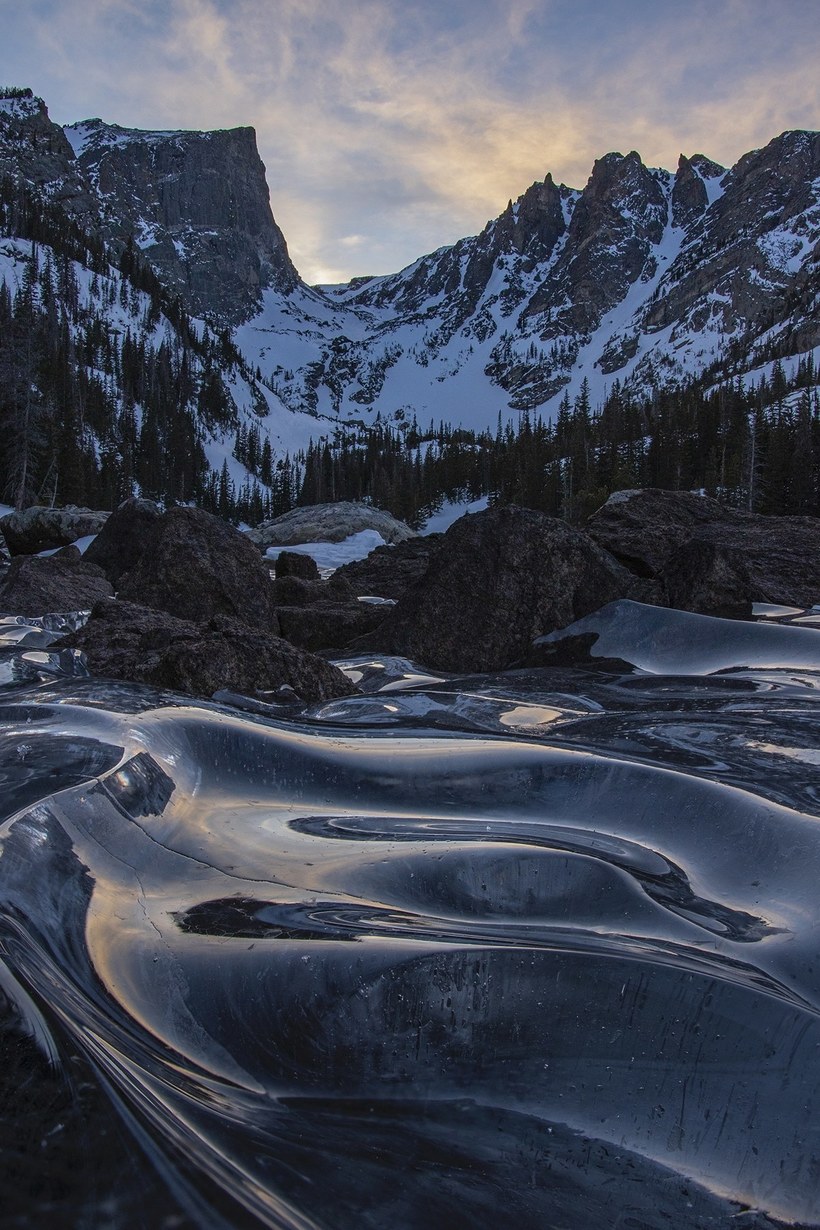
[327, 523]
[690, 195]
[120, 544]
[321, 615]
[33, 585]
[497, 580]
[35, 149]
[389, 571]
[708, 557]
[296, 564]
[41, 528]
[644, 528]
[196, 567]
[328, 626]
[123, 640]
[744, 257]
[620, 215]
[197, 206]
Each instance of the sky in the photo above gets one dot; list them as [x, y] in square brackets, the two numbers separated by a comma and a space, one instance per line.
[392, 127]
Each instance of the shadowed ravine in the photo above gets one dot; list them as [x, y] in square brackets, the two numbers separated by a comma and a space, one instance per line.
[535, 950]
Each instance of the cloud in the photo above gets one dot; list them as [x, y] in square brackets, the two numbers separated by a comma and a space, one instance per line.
[409, 122]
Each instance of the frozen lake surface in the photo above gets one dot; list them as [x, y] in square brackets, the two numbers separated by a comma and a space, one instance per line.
[540, 949]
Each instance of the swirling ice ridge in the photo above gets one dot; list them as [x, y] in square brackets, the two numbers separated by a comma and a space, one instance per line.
[538, 949]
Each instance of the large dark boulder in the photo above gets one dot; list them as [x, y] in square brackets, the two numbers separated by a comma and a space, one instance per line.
[195, 567]
[329, 626]
[120, 544]
[497, 580]
[389, 571]
[709, 557]
[41, 528]
[643, 529]
[34, 585]
[709, 578]
[296, 564]
[122, 640]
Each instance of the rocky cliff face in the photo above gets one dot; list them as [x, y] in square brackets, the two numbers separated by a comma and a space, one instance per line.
[196, 204]
[35, 149]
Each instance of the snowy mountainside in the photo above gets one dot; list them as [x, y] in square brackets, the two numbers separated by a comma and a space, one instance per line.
[644, 277]
[96, 336]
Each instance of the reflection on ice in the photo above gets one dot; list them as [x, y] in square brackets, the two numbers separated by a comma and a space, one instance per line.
[537, 949]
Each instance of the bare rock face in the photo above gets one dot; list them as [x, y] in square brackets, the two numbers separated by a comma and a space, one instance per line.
[196, 567]
[708, 557]
[328, 626]
[644, 528]
[690, 197]
[41, 528]
[497, 580]
[327, 523]
[389, 571]
[120, 544]
[36, 149]
[34, 585]
[710, 578]
[197, 206]
[296, 564]
[736, 254]
[621, 213]
[123, 640]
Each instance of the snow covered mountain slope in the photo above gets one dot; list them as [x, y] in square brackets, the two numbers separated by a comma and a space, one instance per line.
[644, 276]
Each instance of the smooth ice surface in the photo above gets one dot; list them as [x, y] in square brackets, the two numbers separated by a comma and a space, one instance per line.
[534, 949]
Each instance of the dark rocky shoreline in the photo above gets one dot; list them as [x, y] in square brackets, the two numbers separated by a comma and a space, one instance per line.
[197, 610]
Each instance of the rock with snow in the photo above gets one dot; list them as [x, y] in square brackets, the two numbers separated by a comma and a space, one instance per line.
[497, 580]
[120, 543]
[34, 584]
[198, 206]
[41, 528]
[123, 640]
[196, 566]
[389, 572]
[327, 523]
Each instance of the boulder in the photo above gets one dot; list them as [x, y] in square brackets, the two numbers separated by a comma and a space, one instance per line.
[709, 578]
[34, 585]
[329, 626]
[42, 529]
[770, 559]
[389, 571]
[120, 543]
[327, 523]
[123, 640]
[497, 580]
[196, 566]
[643, 529]
[296, 591]
[296, 564]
